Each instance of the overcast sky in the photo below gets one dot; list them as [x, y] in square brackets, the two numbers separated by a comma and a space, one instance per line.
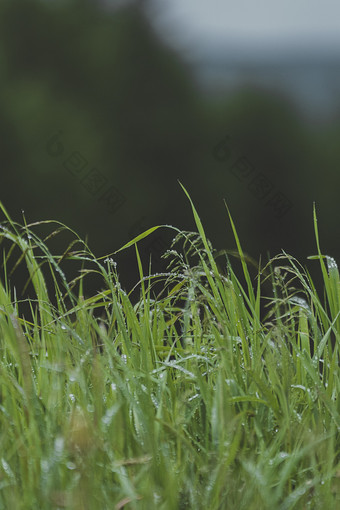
[194, 23]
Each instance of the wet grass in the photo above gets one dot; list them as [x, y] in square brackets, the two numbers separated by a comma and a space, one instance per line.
[188, 397]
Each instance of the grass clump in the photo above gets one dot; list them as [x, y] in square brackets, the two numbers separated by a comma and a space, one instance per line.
[189, 397]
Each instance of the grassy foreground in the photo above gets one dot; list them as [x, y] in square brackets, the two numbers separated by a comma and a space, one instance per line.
[189, 398]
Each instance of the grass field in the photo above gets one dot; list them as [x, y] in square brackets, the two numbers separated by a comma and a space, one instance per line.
[189, 397]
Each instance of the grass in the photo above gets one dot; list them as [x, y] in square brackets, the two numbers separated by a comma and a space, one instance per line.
[194, 396]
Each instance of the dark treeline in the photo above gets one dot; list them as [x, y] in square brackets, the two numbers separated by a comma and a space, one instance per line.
[99, 119]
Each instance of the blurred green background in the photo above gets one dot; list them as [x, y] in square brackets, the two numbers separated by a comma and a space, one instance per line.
[100, 119]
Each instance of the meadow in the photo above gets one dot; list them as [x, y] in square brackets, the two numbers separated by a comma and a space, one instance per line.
[202, 393]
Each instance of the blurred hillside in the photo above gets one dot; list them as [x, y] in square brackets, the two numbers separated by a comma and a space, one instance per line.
[309, 75]
[99, 118]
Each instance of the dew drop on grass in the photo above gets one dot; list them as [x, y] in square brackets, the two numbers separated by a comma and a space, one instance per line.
[7, 469]
[59, 447]
[110, 413]
[157, 498]
[154, 401]
[331, 264]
